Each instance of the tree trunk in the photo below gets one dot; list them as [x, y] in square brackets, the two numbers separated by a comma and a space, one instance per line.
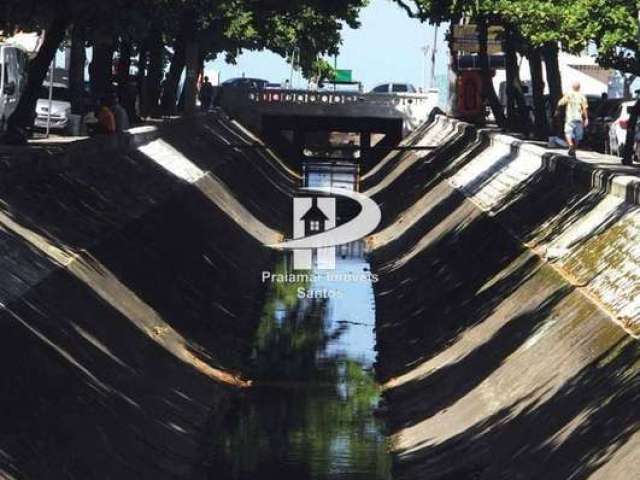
[101, 67]
[552, 67]
[181, 98]
[511, 70]
[76, 69]
[537, 85]
[517, 109]
[452, 100]
[155, 71]
[23, 115]
[522, 108]
[141, 80]
[194, 63]
[124, 63]
[127, 92]
[489, 91]
[170, 89]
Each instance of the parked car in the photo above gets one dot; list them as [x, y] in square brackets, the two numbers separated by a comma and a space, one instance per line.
[60, 107]
[394, 88]
[618, 128]
[601, 115]
[252, 83]
[13, 78]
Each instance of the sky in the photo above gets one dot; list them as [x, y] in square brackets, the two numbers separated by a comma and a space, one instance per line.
[387, 47]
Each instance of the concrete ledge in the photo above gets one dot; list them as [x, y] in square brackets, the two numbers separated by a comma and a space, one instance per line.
[501, 268]
[22, 163]
[591, 239]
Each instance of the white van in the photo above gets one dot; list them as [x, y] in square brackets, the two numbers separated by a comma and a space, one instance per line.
[13, 78]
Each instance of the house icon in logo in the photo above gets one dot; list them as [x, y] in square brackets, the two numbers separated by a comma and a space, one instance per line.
[315, 220]
[313, 216]
[315, 233]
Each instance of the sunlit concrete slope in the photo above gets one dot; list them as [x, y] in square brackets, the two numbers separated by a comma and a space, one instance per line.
[129, 289]
[506, 313]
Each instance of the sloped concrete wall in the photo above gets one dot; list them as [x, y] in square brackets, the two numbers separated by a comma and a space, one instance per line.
[130, 289]
[505, 314]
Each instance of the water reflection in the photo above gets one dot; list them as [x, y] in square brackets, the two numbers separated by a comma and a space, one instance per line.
[310, 414]
[337, 174]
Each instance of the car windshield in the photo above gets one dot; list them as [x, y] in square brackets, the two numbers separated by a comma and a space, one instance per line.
[59, 93]
[381, 89]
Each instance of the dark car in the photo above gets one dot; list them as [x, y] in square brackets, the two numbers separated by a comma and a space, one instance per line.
[245, 82]
[601, 113]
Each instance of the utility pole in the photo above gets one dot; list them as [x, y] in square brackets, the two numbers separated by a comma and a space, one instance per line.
[293, 63]
[434, 50]
[50, 103]
[335, 70]
[425, 66]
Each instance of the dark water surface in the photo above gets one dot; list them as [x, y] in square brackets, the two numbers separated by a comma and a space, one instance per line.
[310, 415]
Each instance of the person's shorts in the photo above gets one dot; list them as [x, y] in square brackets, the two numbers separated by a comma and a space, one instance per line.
[574, 130]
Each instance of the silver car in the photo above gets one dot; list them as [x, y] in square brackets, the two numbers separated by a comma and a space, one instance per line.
[395, 88]
[13, 78]
[60, 114]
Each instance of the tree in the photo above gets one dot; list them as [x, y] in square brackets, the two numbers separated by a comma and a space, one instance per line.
[437, 12]
[212, 28]
[531, 29]
[56, 15]
[614, 31]
[76, 68]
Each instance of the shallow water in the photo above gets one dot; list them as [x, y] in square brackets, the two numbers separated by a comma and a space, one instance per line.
[310, 415]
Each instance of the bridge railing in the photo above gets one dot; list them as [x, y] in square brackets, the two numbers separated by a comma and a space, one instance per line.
[310, 97]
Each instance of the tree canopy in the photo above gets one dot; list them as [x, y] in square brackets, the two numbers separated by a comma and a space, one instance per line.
[183, 32]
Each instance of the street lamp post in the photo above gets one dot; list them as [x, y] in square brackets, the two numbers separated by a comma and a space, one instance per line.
[51, 68]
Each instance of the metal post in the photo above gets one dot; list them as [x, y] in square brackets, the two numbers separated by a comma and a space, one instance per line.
[3, 97]
[335, 69]
[293, 63]
[425, 52]
[434, 50]
[51, 68]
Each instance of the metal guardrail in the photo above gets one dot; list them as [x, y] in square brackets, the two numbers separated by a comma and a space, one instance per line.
[309, 97]
[398, 148]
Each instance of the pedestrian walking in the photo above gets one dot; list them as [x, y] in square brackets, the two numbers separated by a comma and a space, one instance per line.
[576, 118]
[206, 94]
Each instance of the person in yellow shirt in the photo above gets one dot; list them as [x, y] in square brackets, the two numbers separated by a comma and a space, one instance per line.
[576, 118]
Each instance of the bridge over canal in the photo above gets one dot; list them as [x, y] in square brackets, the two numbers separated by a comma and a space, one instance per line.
[297, 122]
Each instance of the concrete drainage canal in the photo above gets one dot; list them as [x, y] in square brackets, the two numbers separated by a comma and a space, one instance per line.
[311, 412]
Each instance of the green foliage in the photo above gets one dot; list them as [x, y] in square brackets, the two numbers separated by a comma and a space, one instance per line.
[610, 25]
[228, 26]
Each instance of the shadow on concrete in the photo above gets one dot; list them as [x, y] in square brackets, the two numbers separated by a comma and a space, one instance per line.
[449, 271]
[453, 381]
[526, 441]
[124, 289]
